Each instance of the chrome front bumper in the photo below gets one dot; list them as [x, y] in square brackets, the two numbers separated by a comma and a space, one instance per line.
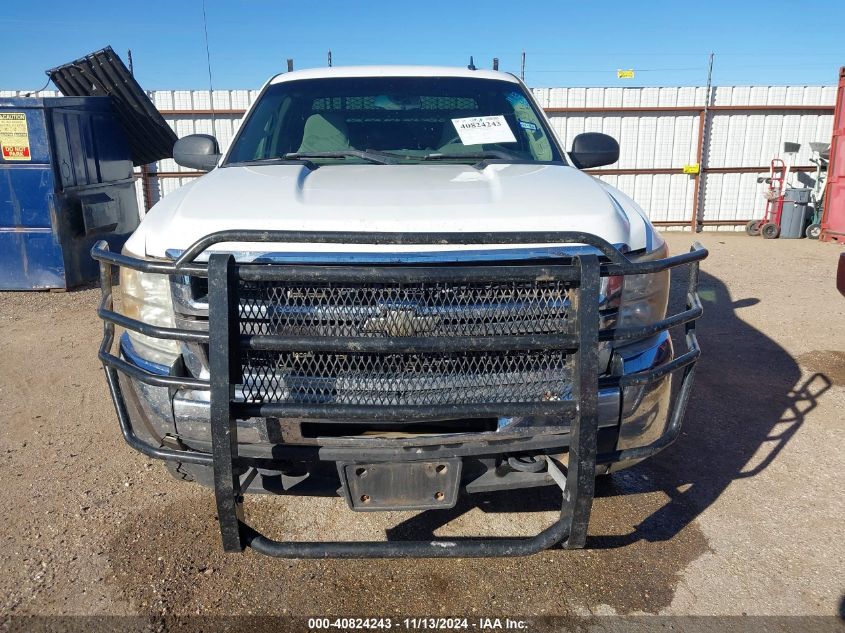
[637, 414]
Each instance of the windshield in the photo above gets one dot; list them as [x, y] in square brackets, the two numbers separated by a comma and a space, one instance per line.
[393, 119]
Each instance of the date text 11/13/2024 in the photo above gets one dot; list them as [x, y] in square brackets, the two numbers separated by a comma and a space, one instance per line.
[420, 623]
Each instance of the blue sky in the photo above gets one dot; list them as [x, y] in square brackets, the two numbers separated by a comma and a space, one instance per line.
[566, 43]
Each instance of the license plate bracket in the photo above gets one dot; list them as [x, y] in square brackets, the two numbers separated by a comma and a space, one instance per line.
[401, 485]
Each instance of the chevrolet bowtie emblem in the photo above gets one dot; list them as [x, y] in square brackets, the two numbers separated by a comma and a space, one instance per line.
[405, 322]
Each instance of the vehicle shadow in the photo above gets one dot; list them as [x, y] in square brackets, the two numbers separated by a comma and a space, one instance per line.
[748, 401]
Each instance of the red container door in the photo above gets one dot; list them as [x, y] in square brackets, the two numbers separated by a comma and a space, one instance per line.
[833, 217]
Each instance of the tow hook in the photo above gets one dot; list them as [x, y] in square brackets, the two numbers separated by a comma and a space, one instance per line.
[536, 464]
[527, 463]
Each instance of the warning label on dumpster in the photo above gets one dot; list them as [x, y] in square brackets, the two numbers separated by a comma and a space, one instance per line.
[14, 136]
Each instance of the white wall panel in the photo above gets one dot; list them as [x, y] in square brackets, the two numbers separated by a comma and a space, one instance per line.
[662, 140]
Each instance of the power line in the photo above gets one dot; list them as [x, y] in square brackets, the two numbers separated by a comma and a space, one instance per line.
[208, 63]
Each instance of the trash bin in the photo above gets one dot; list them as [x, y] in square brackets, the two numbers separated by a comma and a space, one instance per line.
[793, 220]
[66, 171]
[66, 181]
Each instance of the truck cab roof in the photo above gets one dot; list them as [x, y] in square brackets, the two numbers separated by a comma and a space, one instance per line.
[392, 71]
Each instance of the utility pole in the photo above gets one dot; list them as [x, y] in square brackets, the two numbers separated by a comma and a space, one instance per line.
[522, 72]
[709, 80]
[330, 58]
[705, 140]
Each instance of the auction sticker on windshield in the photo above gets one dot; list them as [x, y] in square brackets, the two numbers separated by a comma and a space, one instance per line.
[477, 130]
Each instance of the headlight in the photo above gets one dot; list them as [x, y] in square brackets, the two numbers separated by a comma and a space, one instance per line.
[146, 297]
[645, 297]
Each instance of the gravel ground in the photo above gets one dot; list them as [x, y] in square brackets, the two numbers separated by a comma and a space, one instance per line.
[743, 515]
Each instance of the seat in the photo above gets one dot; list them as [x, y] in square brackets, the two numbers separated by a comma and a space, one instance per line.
[325, 132]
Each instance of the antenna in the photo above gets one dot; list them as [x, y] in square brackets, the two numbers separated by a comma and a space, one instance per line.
[208, 63]
[471, 64]
[330, 58]
[495, 63]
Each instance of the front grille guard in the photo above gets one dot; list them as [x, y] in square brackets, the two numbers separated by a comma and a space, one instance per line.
[225, 341]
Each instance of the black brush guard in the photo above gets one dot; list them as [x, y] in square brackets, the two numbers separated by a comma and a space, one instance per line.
[582, 272]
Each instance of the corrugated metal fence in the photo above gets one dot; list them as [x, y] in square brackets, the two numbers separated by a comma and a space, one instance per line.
[660, 130]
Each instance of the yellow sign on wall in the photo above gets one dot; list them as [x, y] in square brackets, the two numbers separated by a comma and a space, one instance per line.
[14, 136]
[692, 169]
[625, 74]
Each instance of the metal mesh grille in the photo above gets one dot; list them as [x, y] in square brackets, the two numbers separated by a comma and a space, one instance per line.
[402, 310]
[385, 310]
[405, 379]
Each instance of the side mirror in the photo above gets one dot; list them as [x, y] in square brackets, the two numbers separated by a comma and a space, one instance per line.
[197, 151]
[592, 149]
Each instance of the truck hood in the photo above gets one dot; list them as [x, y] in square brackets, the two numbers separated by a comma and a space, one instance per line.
[380, 198]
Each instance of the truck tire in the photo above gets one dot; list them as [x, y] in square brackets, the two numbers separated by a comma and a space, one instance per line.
[770, 231]
[753, 227]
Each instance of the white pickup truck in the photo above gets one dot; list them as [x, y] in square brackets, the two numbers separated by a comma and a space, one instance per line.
[396, 286]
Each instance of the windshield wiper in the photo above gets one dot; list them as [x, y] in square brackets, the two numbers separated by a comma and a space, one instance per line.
[370, 155]
[373, 156]
[471, 156]
[491, 154]
[274, 160]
